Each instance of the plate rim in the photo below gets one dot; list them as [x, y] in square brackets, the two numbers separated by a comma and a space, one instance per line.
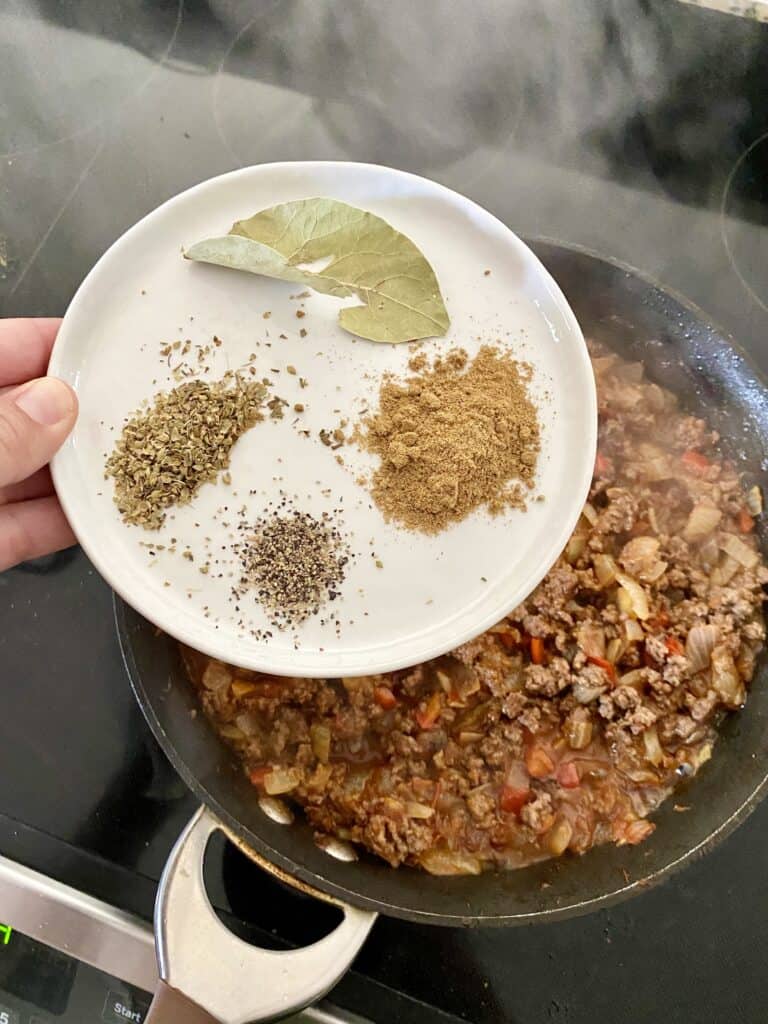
[362, 663]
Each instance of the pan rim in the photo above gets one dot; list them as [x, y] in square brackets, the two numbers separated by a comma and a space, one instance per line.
[267, 857]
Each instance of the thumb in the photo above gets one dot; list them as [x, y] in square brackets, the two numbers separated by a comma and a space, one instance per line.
[34, 421]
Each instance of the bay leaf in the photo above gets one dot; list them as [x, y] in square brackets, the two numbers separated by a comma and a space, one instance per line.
[355, 252]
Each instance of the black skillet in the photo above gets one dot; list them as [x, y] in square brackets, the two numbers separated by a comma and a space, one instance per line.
[682, 351]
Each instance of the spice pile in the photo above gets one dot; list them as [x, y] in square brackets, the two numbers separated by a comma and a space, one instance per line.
[183, 440]
[293, 562]
[453, 438]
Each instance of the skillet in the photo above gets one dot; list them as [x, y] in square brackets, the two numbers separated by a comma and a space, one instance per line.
[208, 975]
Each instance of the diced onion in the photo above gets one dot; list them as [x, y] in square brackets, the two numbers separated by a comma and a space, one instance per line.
[633, 631]
[655, 397]
[754, 501]
[445, 680]
[726, 679]
[281, 780]
[575, 548]
[745, 662]
[231, 732]
[590, 514]
[698, 646]
[320, 736]
[701, 522]
[709, 553]
[639, 557]
[216, 675]
[743, 553]
[632, 373]
[637, 596]
[605, 570]
[602, 364]
[248, 722]
[723, 573]
[635, 832]
[559, 836]
[413, 809]
[450, 862]
[355, 781]
[242, 687]
[701, 756]
[635, 677]
[615, 649]
[653, 750]
[591, 638]
[578, 730]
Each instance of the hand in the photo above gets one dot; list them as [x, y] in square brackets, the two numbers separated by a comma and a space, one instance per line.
[36, 415]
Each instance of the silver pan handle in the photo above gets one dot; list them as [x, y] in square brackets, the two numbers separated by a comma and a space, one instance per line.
[209, 976]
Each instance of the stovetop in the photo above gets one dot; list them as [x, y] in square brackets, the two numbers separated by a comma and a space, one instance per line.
[638, 128]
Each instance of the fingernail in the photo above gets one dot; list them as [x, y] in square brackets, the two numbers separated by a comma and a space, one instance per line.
[47, 401]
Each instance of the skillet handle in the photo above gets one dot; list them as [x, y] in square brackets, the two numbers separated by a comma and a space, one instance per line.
[209, 976]
[171, 1007]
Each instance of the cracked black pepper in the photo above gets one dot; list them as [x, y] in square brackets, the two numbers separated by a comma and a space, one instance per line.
[293, 562]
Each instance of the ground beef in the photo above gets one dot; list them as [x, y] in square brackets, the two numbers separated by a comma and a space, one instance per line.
[566, 724]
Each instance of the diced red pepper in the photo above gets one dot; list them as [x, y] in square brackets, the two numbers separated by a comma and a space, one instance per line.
[427, 716]
[695, 462]
[513, 798]
[539, 763]
[385, 698]
[608, 667]
[674, 646]
[568, 775]
[746, 522]
[537, 650]
[257, 775]
[603, 465]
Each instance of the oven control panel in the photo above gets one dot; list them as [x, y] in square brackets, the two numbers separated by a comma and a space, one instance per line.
[39, 985]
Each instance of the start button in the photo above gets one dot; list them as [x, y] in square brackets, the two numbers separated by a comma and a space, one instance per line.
[124, 1008]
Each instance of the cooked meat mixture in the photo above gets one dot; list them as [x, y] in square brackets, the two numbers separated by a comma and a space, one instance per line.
[566, 724]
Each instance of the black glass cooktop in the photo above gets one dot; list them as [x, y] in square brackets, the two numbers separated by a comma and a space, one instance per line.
[638, 128]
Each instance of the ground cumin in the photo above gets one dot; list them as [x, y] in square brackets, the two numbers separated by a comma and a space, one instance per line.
[453, 438]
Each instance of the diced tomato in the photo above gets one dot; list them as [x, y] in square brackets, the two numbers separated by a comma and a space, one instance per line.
[568, 775]
[513, 798]
[746, 522]
[385, 698]
[695, 462]
[603, 465]
[537, 650]
[427, 716]
[674, 646]
[539, 763]
[257, 775]
[608, 667]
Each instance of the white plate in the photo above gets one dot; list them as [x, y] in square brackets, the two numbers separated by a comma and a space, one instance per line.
[432, 592]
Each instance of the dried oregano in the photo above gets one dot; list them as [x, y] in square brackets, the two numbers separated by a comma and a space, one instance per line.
[183, 440]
